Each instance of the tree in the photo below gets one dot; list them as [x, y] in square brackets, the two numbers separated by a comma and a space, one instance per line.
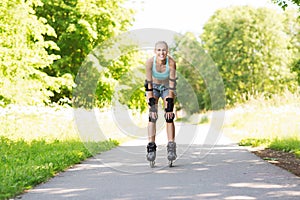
[251, 49]
[199, 84]
[23, 53]
[80, 26]
[292, 28]
[284, 4]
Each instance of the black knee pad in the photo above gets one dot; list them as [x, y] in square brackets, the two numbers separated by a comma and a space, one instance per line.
[170, 105]
[170, 120]
[151, 103]
[152, 119]
[152, 108]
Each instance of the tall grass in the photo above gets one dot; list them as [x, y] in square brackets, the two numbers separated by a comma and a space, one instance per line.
[34, 123]
[266, 122]
[38, 142]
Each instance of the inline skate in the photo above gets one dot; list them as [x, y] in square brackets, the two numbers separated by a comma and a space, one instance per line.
[151, 153]
[171, 149]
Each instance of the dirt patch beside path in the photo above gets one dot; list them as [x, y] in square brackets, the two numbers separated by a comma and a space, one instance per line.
[285, 160]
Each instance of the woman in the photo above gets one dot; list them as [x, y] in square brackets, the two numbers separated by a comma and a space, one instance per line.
[161, 83]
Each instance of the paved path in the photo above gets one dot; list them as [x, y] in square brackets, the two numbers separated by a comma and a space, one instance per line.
[204, 170]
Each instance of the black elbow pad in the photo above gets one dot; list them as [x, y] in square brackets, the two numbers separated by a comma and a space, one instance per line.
[146, 86]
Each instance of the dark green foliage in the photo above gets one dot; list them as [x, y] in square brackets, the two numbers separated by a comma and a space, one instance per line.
[296, 68]
[23, 56]
[81, 26]
[252, 50]
[200, 86]
[46, 43]
[284, 4]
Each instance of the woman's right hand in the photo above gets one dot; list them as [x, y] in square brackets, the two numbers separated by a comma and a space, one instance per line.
[153, 115]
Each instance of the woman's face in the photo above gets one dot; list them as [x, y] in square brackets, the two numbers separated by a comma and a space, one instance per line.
[161, 51]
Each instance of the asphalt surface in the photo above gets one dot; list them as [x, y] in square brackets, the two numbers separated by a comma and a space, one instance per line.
[209, 166]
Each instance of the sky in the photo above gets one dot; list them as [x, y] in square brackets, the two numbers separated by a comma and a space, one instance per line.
[183, 15]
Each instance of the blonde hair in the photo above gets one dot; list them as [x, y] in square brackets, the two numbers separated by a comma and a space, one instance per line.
[161, 42]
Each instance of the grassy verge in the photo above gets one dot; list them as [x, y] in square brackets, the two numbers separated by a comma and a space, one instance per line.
[287, 145]
[26, 164]
[272, 123]
[36, 144]
[199, 118]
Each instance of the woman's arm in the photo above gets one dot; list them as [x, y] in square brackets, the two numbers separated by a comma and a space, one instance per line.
[149, 81]
[172, 78]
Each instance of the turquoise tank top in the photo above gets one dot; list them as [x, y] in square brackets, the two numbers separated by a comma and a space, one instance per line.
[160, 75]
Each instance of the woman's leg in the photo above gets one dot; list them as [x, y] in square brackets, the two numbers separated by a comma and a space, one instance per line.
[170, 132]
[152, 123]
[151, 131]
[170, 127]
[151, 147]
[169, 115]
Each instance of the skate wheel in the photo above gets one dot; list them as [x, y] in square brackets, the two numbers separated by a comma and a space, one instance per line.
[152, 163]
[170, 163]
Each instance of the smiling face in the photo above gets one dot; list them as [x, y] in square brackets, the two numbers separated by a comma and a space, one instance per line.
[161, 50]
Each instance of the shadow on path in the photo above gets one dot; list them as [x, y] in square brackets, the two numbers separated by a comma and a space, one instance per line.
[225, 172]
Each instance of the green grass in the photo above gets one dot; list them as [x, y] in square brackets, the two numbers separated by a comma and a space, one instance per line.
[286, 145]
[37, 144]
[272, 123]
[199, 118]
[26, 164]
[254, 142]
